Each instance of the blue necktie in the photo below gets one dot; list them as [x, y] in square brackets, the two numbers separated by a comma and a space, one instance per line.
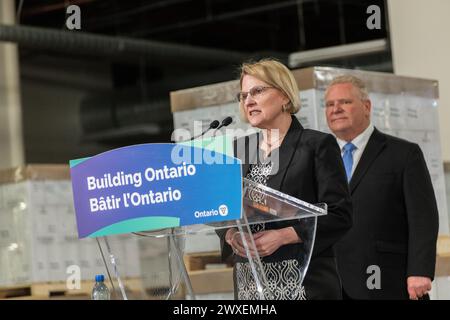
[348, 159]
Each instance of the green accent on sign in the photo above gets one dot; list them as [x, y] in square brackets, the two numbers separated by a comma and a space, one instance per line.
[142, 224]
[73, 163]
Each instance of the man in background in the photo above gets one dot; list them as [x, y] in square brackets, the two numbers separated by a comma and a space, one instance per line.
[390, 253]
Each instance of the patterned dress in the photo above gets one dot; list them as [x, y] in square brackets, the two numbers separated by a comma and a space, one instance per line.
[283, 277]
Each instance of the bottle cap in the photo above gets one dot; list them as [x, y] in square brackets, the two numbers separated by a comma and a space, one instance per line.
[99, 278]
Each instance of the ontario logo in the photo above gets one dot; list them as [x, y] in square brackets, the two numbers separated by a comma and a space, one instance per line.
[223, 211]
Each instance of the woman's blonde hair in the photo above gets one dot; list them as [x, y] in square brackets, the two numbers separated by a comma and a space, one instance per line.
[275, 74]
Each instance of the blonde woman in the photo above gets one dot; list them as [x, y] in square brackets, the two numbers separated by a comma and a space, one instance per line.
[308, 167]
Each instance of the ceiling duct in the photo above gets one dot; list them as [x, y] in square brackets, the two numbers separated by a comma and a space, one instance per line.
[101, 45]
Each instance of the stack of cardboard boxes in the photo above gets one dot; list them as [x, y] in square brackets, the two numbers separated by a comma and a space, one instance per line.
[38, 234]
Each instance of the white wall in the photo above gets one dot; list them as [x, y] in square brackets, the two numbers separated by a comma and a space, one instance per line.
[420, 39]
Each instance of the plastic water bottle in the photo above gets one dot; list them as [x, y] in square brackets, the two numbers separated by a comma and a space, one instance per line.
[100, 291]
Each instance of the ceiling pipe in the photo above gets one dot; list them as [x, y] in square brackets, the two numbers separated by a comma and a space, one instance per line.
[102, 45]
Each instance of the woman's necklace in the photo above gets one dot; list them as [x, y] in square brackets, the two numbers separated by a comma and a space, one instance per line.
[268, 146]
[270, 142]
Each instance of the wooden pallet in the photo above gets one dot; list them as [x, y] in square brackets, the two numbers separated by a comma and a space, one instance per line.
[42, 290]
[59, 289]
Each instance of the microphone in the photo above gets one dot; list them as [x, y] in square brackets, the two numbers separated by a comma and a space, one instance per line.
[225, 122]
[214, 124]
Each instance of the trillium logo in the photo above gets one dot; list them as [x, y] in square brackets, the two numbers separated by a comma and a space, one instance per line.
[223, 210]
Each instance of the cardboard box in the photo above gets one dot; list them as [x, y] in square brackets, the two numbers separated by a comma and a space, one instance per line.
[200, 260]
[207, 280]
[212, 281]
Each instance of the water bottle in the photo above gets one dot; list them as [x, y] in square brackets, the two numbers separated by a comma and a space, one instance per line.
[100, 291]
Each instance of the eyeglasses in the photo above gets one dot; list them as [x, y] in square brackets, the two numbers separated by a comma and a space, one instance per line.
[254, 93]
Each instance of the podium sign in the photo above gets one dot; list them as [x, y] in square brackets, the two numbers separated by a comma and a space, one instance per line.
[149, 186]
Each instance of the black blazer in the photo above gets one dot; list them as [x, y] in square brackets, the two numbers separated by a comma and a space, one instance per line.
[395, 220]
[310, 169]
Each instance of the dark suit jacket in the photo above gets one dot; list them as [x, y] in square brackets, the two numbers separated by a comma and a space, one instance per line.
[310, 169]
[395, 222]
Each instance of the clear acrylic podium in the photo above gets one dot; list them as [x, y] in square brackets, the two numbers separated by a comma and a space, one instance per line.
[163, 271]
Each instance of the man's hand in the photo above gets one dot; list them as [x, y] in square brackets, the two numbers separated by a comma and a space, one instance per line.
[418, 287]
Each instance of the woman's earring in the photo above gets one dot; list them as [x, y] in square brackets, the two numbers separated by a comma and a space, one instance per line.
[285, 108]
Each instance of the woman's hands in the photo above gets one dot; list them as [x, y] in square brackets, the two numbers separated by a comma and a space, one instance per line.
[234, 239]
[266, 242]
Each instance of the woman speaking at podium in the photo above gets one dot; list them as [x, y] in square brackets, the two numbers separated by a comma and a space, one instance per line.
[309, 168]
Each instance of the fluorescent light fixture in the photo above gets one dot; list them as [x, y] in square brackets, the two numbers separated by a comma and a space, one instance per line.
[297, 59]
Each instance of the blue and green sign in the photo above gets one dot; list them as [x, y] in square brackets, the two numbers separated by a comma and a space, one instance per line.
[153, 186]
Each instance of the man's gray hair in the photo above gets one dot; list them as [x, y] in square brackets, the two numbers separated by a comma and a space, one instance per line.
[355, 81]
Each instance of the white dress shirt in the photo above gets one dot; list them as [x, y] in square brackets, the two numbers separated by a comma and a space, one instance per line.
[360, 143]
